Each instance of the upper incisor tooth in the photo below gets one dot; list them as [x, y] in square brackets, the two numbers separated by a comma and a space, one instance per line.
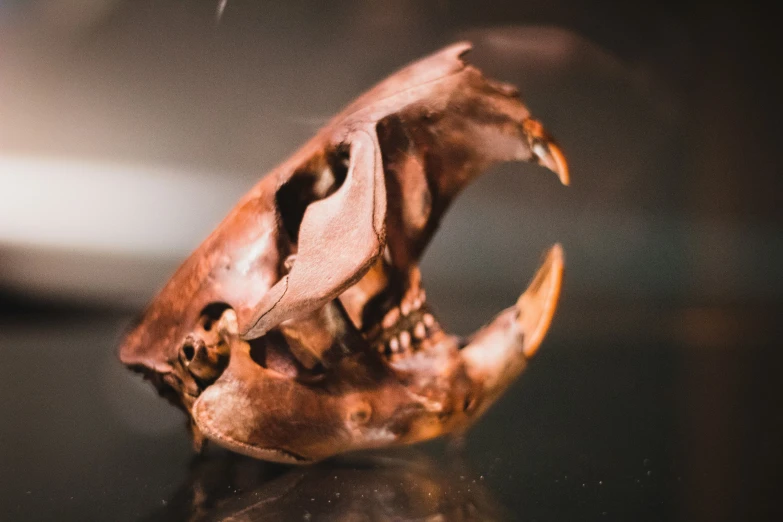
[405, 308]
[419, 332]
[429, 320]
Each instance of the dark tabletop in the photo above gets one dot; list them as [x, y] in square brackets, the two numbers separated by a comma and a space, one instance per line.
[631, 423]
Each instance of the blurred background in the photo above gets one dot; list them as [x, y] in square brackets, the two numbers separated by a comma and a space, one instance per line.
[128, 129]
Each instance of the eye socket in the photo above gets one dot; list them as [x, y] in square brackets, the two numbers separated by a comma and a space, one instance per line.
[211, 314]
[317, 179]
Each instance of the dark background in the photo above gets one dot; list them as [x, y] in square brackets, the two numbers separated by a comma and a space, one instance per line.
[129, 128]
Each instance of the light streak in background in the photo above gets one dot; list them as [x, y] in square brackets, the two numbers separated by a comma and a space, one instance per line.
[114, 232]
[110, 208]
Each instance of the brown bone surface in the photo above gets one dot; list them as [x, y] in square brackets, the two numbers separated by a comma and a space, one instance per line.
[300, 329]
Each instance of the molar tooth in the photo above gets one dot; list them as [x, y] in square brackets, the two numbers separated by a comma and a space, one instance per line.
[391, 318]
[405, 340]
[419, 332]
[394, 345]
[429, 320]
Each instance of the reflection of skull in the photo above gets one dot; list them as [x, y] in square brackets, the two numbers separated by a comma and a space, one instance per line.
[385, 486]
[299, 329]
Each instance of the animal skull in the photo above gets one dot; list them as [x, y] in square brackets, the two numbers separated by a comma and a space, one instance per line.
[300, 329]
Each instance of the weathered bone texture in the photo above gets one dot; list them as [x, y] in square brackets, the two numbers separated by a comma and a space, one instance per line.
[299, 329]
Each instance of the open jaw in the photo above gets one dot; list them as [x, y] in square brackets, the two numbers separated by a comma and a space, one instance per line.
[300, 328]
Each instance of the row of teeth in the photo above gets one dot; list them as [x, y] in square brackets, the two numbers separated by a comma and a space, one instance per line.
[404, 309]
[403, 341]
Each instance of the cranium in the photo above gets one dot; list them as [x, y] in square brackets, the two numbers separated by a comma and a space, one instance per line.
[300, 329]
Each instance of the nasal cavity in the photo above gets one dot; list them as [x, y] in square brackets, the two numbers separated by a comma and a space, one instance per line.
[205, 363]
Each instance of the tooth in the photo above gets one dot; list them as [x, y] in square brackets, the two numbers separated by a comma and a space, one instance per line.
[499, 352]
[405, 308]
[429, 320]
[417, 303]
[394, 345]
[550, 156]
[405, 340]
[423, 296]
[419, 332]
[391, 318]
[545, 150]
[537, 305]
